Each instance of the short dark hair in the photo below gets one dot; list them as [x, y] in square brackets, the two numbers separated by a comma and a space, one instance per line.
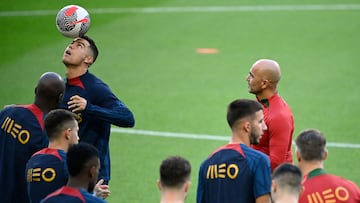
[241, 108]
[311, 144]
[80, 156]
[288, 177]
[93, 46]
[174, 171]
[58, 120]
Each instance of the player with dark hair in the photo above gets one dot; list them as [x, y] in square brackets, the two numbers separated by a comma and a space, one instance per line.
[276, 141]
[319, 186]
[93, 101]
[46, 169]
[236, 172]
[286, 184]
[174, 180]
[83, 164]
[22, 134]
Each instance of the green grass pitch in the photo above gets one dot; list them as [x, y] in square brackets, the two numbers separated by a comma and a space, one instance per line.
[149, 60]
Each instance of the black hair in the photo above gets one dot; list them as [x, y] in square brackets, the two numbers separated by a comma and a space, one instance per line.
[80, 156]
[93, 46]
[241, 108]
[58, 120]
[288, 177]
[174, 171]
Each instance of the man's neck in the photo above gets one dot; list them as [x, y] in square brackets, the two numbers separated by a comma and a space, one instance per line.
[73, 72]
[59, 145]
[77, 183]
[172, 197]
[307, 167]
[286, 198]
[239, 138]
[266, 94]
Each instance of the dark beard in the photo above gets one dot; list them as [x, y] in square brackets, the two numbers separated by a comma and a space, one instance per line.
[253, 139]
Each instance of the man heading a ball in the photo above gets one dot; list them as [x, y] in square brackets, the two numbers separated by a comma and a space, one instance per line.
[92, 100]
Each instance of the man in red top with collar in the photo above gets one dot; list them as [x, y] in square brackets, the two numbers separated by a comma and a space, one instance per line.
[317, 185]
[276, 141]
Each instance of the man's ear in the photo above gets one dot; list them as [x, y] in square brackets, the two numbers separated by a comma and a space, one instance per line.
[325, 154]
[298, 156]
[61, 96]
[247, 126]
[92, 171]
[159, 184]
[273, 186]
[89, 60]
[187, 186]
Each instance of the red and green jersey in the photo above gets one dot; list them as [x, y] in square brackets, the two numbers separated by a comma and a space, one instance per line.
[276, 141]
[321, 187]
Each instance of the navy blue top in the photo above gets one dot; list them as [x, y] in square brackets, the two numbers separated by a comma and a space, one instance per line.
[71, 195]
[103, 109]
[46, 172]
[234, 173]
[21, 134]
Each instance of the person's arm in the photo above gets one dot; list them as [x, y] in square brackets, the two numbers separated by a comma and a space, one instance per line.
[101, 190]
[116, 113]
[263, 199]
[262, 180]
[280, 134]
[107, 107]
[200, 188]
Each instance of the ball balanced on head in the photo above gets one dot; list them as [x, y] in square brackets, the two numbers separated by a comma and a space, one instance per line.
[73, 21]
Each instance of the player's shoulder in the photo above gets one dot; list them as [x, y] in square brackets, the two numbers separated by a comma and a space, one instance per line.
[51, 153]
[90, 198]
[255, 156]
[93, 81]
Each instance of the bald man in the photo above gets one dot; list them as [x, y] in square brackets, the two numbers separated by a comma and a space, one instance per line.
[22, 134]
[263, 80]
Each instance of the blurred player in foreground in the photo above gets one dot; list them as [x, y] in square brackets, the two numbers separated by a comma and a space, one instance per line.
[319, 186]
[286, 184]
[174, 180]
[83, 165]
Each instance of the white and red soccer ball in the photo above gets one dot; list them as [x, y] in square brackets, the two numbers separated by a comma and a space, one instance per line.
[73, 21]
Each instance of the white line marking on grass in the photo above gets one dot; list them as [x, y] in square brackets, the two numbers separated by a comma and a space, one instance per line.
[204, 136]
[193, 9]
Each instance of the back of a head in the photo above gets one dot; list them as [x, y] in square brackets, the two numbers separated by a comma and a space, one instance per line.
[81, 156]
[311, 144]
[241, 108]
[288, 178]
[174, 172]
[56, 121]
[50, 87]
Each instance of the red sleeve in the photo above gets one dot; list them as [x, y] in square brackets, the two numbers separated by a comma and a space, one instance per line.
[280, 128]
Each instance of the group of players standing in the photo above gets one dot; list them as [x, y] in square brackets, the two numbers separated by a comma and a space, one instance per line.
[256, 164]
[40, 154]
[35, 138]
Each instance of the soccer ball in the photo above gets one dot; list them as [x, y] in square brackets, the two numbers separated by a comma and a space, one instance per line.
[73, 21]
